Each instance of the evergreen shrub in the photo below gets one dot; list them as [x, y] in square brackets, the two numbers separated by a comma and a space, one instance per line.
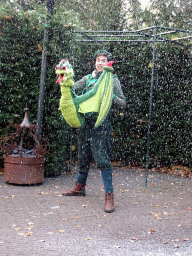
[21, 49]
[171, 111]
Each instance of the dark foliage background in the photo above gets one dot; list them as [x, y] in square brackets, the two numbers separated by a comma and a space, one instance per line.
[171, 116]
[21, 48]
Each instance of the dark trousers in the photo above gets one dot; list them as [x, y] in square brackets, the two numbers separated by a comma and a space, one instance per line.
[95, 143]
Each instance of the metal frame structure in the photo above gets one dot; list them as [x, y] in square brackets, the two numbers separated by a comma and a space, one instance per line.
[151, 35]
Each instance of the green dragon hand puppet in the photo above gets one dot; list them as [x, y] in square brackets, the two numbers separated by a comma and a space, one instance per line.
[98, 99]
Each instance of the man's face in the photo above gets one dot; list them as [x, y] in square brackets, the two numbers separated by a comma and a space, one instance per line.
[101, 61]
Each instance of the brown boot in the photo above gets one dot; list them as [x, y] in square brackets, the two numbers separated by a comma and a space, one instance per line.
[78, 190]
[109, 202]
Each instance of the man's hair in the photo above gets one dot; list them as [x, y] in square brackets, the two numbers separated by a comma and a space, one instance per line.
[103, 53]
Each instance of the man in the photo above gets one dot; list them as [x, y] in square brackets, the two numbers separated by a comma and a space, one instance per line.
[93, 141]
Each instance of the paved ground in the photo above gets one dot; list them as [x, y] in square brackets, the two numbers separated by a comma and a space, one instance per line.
[37, 220]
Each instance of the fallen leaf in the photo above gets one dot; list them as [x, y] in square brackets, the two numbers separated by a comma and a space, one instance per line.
[29, 228]
[134, 239]
[61, 231]
[152, 230]
[28, 234]
[9, 197]
[175, 240]
[25, 234]
[17, 229]
[155, 205]
[55, 207]
[88, 238]
[20, 234]
[62, 203]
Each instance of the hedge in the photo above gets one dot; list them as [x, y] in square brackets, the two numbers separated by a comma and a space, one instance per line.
[22, 40]
[171, 114]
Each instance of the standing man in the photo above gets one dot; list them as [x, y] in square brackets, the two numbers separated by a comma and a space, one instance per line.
[96, 142]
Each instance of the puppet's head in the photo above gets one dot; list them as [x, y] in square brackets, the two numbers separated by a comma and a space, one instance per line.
[64, 71]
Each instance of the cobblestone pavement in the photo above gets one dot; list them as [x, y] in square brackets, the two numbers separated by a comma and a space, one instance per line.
[152, 220]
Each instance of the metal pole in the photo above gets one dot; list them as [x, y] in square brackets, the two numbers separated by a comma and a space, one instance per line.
[151, 104]
[71, 130]
[50, 4]
[42, 84]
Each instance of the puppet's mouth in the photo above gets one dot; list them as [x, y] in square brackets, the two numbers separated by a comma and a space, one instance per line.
[60, 78]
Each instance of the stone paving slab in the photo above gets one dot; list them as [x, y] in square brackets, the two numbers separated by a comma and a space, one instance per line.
[152, 220]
